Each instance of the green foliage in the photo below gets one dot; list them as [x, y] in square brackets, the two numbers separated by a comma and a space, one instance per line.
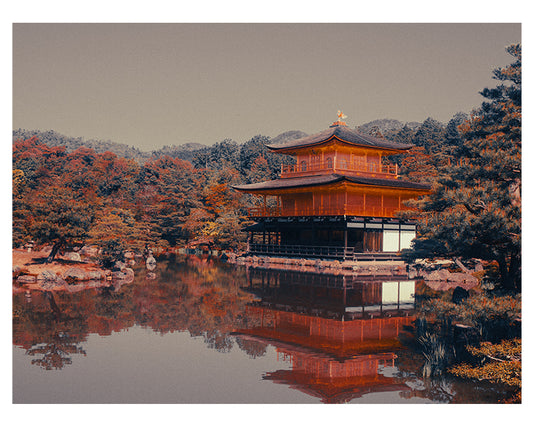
[221, 154]
[497, 363]
[475, 208]
[437, 356]
[492, 316]
[60, 216]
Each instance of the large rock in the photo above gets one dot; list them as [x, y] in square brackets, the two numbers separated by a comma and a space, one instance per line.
[126, 274]
[150, 263]
[119, 265]
[440, 275]
[73, 256]
[77, 274]
[95, 275]
[89, 250]
[458, 277]
[26, 279]
[48, 275]
[459, 295]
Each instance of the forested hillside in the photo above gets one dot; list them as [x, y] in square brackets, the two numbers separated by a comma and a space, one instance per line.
[68, 194]
[53, 139]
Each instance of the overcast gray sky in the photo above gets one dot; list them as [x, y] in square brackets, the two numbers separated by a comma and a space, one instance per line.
[150, 85]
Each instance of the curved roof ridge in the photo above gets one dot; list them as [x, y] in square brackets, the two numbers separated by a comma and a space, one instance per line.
[344, 133]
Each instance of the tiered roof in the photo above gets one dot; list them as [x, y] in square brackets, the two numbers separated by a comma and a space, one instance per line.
[343, 134]
[321, 180]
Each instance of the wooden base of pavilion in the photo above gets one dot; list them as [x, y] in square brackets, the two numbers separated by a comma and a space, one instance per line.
[342, 238]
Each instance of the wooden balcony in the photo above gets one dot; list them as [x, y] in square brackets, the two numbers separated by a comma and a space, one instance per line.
[343, 167]
[326, 252]
[347, 209]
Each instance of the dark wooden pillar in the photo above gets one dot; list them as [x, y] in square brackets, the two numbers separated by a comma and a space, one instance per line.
[345, 242]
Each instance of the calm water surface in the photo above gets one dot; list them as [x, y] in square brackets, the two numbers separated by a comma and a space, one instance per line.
[202, 331]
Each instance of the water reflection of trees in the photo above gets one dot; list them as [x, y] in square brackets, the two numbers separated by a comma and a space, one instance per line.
[56, 354]
[193, 294]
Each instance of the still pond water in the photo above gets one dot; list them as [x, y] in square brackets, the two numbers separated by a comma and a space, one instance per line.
[203, 331]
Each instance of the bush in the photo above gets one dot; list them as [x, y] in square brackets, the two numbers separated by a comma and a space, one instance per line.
[501, 364]
[495, 317]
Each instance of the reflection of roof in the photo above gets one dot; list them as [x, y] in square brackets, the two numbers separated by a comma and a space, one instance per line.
[336, 391]
[343, 133]
[298, 182]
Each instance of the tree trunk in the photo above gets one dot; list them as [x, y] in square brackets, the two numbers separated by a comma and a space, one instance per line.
[510, 272]
[55, 250]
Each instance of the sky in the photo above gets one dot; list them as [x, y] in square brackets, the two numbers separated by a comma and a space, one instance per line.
[155, 84]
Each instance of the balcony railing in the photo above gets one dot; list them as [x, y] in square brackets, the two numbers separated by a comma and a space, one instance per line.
[331, 252]
[340, 166]
[347, 209]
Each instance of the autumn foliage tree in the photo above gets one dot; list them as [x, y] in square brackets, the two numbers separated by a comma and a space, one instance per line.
[59, 217]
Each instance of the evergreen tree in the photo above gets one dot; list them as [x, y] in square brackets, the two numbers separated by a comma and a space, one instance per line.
[60, 217]
[475, 209]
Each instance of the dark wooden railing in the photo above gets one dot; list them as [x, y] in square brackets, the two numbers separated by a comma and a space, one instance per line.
[327, 252]
[341, 166]
[347, 209]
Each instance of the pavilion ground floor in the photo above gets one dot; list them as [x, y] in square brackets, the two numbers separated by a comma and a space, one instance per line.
[331, 237]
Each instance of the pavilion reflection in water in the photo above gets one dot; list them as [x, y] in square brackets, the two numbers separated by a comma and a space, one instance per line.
[338, 333]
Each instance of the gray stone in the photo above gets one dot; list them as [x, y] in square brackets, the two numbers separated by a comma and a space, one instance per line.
[440, 275]
[119, 265]
[73, 256]
[76, 274]
[26, 279]
[463, 278]
[150, 263]
[47, 275]
[125, 274]
[89, 250]
[95, 275]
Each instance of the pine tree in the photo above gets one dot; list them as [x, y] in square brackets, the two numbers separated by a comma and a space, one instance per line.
[475, 208]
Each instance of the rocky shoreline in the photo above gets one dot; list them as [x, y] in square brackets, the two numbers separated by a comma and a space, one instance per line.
[75, 271]
[439, 275]
[68, 272]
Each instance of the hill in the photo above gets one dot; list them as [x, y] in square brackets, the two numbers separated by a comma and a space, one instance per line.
[387, 125]
[53, 138]
[186, 151]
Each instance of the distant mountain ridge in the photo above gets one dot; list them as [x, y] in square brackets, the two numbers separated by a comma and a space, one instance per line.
[53, 138]
[186, 151]
[387, 125]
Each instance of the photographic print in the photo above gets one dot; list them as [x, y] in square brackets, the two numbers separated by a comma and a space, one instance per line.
[266, 213]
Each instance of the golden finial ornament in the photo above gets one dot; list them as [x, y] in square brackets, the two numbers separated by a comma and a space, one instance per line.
[341, 117]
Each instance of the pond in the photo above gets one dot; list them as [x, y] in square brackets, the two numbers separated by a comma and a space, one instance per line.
[198, 330]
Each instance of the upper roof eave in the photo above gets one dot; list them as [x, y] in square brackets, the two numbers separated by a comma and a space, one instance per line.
[321, 180]
[344, 134]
